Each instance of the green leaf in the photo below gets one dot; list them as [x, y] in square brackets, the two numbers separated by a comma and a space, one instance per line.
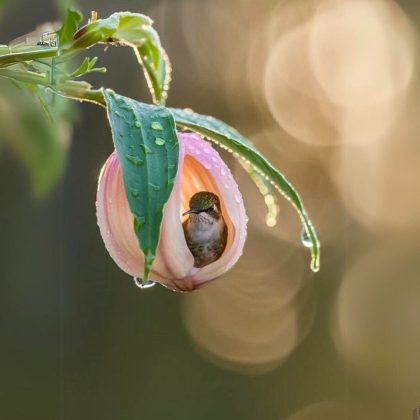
[38, 140]
[149, 162]
[72, 20]
[134, 30]
[87, 66]
[230, 139]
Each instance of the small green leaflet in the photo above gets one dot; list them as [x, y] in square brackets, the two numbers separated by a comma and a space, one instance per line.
[149, 163]
[228, 137]
[134, 30]
[131, 29]
[37, 139]
[72, 20]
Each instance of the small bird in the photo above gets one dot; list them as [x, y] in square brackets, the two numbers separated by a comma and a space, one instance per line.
[205, 229]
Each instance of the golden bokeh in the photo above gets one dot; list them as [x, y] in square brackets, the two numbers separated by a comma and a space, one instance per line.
[377, 318]
[255, 317]
[336, 410]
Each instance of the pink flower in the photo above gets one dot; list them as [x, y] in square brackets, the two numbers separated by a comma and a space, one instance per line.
[200, 169]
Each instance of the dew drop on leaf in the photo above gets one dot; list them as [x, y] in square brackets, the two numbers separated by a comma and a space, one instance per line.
[134, 193]
[157, 126]
[146, 149]
[134, 160]
[155, 187]
[159, 141]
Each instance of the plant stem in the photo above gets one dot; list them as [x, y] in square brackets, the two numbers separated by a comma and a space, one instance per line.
[70, 89]
[13, 58]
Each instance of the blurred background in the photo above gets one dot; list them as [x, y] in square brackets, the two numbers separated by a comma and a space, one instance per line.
[329, 90]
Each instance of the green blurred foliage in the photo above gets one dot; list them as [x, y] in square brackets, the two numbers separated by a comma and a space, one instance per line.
[37, 131]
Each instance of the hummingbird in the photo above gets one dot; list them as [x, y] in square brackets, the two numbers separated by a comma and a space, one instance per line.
[205, 229]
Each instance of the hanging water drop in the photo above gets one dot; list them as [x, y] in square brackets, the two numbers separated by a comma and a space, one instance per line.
[139, 283]
[305, 239]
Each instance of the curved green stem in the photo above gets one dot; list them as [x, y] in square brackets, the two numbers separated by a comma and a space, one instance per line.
[70, 89]
[17, 57]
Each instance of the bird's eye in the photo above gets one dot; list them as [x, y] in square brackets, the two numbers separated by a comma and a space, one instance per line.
[211, 208]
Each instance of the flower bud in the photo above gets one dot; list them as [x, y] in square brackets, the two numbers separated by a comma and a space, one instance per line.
[200, 168]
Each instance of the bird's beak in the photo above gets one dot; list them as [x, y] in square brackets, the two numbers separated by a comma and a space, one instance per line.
[191, 211]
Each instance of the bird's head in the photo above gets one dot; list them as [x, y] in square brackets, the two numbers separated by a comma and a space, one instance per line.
[204, 202]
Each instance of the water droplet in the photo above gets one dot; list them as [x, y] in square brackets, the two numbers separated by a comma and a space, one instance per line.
[137, 124]
[306, 239]
[270, 220]
[237, 197]
[157, 126]
[136, 161]
[139, 283]
[159, 141]
[139, 222]
[134, 193]
[155, 187]
[146, 149]
[269, 199]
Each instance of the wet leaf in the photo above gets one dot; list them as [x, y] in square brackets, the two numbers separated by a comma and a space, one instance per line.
[148, 166]
[228, 137]
[134, 30]
[72, 20]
